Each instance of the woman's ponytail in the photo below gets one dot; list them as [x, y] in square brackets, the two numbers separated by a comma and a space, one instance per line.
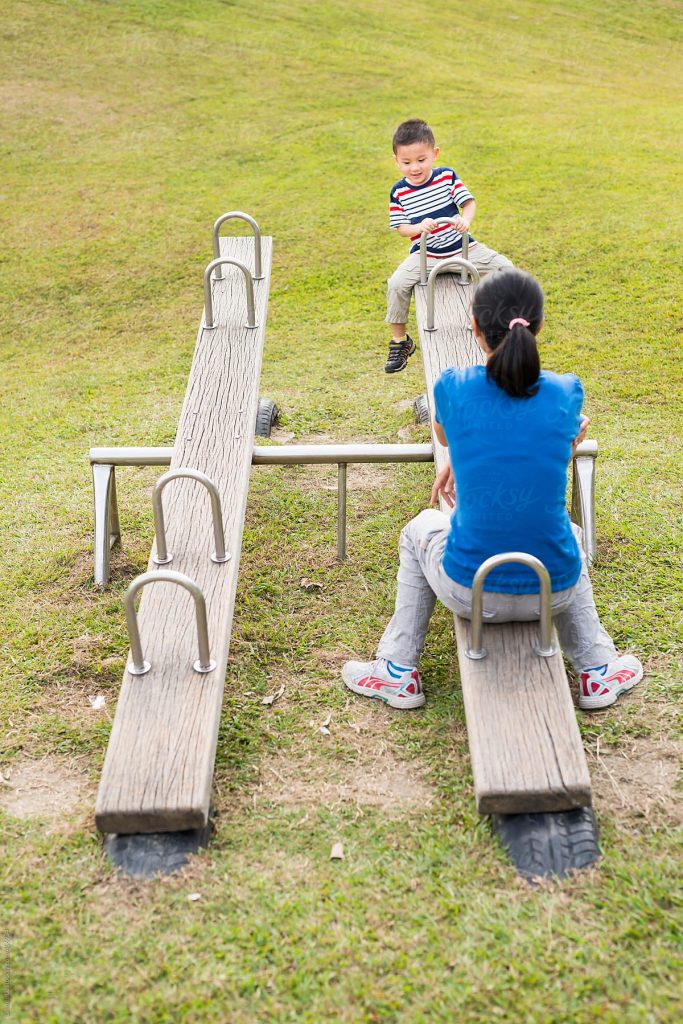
[514, 364]
[508, 308]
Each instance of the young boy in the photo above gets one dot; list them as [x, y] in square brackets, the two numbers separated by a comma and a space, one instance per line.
[424, 194]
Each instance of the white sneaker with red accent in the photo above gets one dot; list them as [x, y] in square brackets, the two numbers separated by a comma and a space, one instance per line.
[600, 687]
[398, 686]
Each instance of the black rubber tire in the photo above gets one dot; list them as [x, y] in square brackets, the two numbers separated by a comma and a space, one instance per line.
[267, 417]
[549, 844]
[155, 853]
[421, 410]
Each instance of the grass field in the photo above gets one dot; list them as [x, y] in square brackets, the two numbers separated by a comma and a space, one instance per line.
[125, 129]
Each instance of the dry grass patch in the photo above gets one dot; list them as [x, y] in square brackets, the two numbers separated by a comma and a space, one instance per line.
[378, 779]
[414, 433]
[636, 783]
[339, 758]
[33, 98]
[71, 691]
[48, 788]
[354, 765]
[279, 435]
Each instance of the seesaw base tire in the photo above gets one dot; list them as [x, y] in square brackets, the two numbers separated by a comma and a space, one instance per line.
[155, 853]
[547, 845]
[267, 417]
[421, 410]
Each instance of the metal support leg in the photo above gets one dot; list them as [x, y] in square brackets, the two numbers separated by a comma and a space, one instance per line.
[341, 511]
[103, 461]
[583, 495]
[114, 526]
[107, 531]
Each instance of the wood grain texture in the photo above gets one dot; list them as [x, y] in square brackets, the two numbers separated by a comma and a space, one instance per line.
[158, 768]
[524, 741]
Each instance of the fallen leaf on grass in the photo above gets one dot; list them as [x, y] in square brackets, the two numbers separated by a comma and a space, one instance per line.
[310, 586]
[274, 696]
[323, 728]
[337, 852]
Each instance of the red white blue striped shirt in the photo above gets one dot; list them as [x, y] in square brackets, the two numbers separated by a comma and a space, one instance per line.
[442, 196]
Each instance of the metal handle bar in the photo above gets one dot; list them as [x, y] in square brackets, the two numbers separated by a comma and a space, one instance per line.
[238, 215]
[546, 648]
[208, 299]
[296, 454]
[423, 250]
[140, 666]
[163, 556]
[321, 454]
[454, 261]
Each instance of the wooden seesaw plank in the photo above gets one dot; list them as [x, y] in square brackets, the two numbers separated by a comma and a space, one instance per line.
[158, 769]
[524, 740]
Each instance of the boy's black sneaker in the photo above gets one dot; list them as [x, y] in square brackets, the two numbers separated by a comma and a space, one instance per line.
[398, 354]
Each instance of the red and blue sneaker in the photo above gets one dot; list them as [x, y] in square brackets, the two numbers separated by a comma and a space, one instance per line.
[399, 686]
[600, 687]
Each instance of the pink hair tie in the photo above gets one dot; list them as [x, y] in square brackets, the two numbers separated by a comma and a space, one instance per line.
[518, 320]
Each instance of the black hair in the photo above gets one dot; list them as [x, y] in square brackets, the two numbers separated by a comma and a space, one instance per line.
[502, 297]
[413, 131]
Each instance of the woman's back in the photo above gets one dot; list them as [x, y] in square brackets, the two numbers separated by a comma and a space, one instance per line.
[509, 457]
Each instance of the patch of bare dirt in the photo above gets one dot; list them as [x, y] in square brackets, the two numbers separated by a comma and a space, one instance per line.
[340, 757]
[363, 476]
[50, 788]
[320, 438]
[638, 782]
[414, 433]
[280, 435]
[364, 771]
[78, 700]
[85, 649]
[379, 779]
[85, 689]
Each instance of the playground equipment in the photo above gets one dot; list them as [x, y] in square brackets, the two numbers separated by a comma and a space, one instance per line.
[158, 769]
[104, 461]
[464, 276]
[528, 762]
[154, 796]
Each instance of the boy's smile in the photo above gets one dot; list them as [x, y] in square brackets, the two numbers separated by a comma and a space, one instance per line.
[415, 161]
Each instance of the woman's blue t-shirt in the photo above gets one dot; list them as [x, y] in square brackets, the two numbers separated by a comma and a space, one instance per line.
[509, 458]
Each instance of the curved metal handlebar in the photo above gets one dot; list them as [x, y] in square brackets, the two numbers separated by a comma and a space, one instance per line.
[208, 299]
[423, 250]
[546, 648]
[139, 666]
[238, 215]
[163, 555]
[454, 261]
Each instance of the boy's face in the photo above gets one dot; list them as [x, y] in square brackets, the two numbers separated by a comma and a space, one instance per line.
[415, 161]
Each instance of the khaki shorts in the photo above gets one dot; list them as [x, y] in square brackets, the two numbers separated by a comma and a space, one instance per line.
[401, 283]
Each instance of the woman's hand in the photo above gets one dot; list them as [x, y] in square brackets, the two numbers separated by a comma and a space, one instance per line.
[581, 436]
[444, 485]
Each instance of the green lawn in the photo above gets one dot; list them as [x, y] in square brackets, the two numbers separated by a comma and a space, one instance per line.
[125, 129]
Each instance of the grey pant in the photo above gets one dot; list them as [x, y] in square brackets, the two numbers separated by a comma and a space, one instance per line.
[401, 283]
[421, 579]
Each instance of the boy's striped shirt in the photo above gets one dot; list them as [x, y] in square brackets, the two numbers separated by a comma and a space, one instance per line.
[442, 196]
